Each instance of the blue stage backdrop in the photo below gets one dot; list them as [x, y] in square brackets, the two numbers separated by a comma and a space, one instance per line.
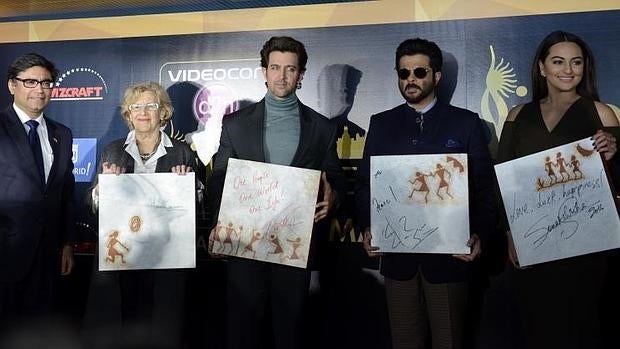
[350, 76]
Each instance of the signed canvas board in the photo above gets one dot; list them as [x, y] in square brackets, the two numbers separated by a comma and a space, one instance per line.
[419, 203]
[267, 212]
[147, 221]
[558, 203]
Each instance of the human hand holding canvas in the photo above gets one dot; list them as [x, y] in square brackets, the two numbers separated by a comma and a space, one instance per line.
[476, 249]
[367, 243]
[329, 198]
[605, 144]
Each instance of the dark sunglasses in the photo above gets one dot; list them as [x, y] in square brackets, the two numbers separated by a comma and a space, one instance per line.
[419, 72]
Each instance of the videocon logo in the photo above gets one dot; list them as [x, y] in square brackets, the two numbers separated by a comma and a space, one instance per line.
[214, 100]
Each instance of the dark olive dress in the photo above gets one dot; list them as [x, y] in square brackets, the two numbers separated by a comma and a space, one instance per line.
[559, 301]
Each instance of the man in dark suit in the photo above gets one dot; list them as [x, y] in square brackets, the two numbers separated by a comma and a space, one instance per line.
[426, 291]
[36, 195]
[280, 130]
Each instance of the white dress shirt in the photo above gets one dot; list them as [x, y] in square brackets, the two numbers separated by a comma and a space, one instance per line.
[148, 166]
[46, 148]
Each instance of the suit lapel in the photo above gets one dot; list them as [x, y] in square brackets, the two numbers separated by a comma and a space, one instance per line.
[52, 135]
[164, 164]
[18, 135]
[255, 133]
[305, 133]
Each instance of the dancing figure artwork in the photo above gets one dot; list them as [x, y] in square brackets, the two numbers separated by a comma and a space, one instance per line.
[230, 234]
[560, 171]
[438, 178]
[147, 221]
[419, 203]
[419, 185]
[555, 199]
[113, 251]
[257, 236]
[267, 212]
[296, 243]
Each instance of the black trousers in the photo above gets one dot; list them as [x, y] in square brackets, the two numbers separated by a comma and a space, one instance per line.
[559, 302]
[152, 307]
[34, 296]
[266, 305]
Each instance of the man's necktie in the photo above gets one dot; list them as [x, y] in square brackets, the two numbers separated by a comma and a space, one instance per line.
[418, 120]
[35, 145]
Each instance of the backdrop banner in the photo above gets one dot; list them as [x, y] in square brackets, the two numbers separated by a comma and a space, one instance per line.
[350, 76]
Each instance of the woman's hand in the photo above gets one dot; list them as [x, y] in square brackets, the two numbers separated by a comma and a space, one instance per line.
[605, 144]
[108, 168]
[512, 252]
[181, 169]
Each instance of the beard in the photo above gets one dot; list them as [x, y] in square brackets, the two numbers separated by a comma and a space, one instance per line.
[424, 92]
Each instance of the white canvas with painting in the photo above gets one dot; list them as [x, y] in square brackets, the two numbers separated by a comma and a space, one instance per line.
[147, 221]
[419, 203]
[558, 203]
[267, 212]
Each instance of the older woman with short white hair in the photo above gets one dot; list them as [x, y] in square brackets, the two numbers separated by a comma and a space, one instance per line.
[152, 301]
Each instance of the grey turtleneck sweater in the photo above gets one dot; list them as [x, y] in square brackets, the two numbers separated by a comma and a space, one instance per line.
[281, 129]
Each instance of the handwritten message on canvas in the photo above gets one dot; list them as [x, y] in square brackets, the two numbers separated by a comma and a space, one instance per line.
[147, 221]
[419, 203]
[267, 212]
[558, 203]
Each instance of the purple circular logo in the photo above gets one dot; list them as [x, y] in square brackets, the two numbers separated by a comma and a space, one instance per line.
[214, 101]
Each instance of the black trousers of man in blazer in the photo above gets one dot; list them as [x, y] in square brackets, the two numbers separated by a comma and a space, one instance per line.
[35, 219]
[256, 289]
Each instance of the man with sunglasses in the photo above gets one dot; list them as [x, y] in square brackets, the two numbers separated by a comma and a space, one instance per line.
[36, 195]
[427, 293]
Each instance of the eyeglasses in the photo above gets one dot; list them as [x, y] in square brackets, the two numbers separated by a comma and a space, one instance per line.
[419, 72]
[134, 108]
[32, 83]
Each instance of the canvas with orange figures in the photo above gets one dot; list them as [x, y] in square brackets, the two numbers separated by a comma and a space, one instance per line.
[267, 212]
[147, 221]
[419, 203]
[558, 203]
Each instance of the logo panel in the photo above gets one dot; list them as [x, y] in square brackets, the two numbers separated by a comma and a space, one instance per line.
[80, 84]
[83, 157]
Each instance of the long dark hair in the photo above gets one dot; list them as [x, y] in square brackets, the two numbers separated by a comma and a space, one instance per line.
[587, 85]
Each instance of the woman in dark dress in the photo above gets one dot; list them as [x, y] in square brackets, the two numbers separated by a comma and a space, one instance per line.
[559, 300]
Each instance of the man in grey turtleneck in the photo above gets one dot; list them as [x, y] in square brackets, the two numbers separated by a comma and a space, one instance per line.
[279, 130]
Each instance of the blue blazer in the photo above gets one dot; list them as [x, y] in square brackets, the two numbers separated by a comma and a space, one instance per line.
[446, 129]
[33, 219]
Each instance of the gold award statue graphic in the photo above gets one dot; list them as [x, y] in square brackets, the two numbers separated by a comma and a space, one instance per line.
[501, 81]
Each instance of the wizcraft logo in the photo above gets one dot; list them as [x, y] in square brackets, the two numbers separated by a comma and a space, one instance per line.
[80, 84]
